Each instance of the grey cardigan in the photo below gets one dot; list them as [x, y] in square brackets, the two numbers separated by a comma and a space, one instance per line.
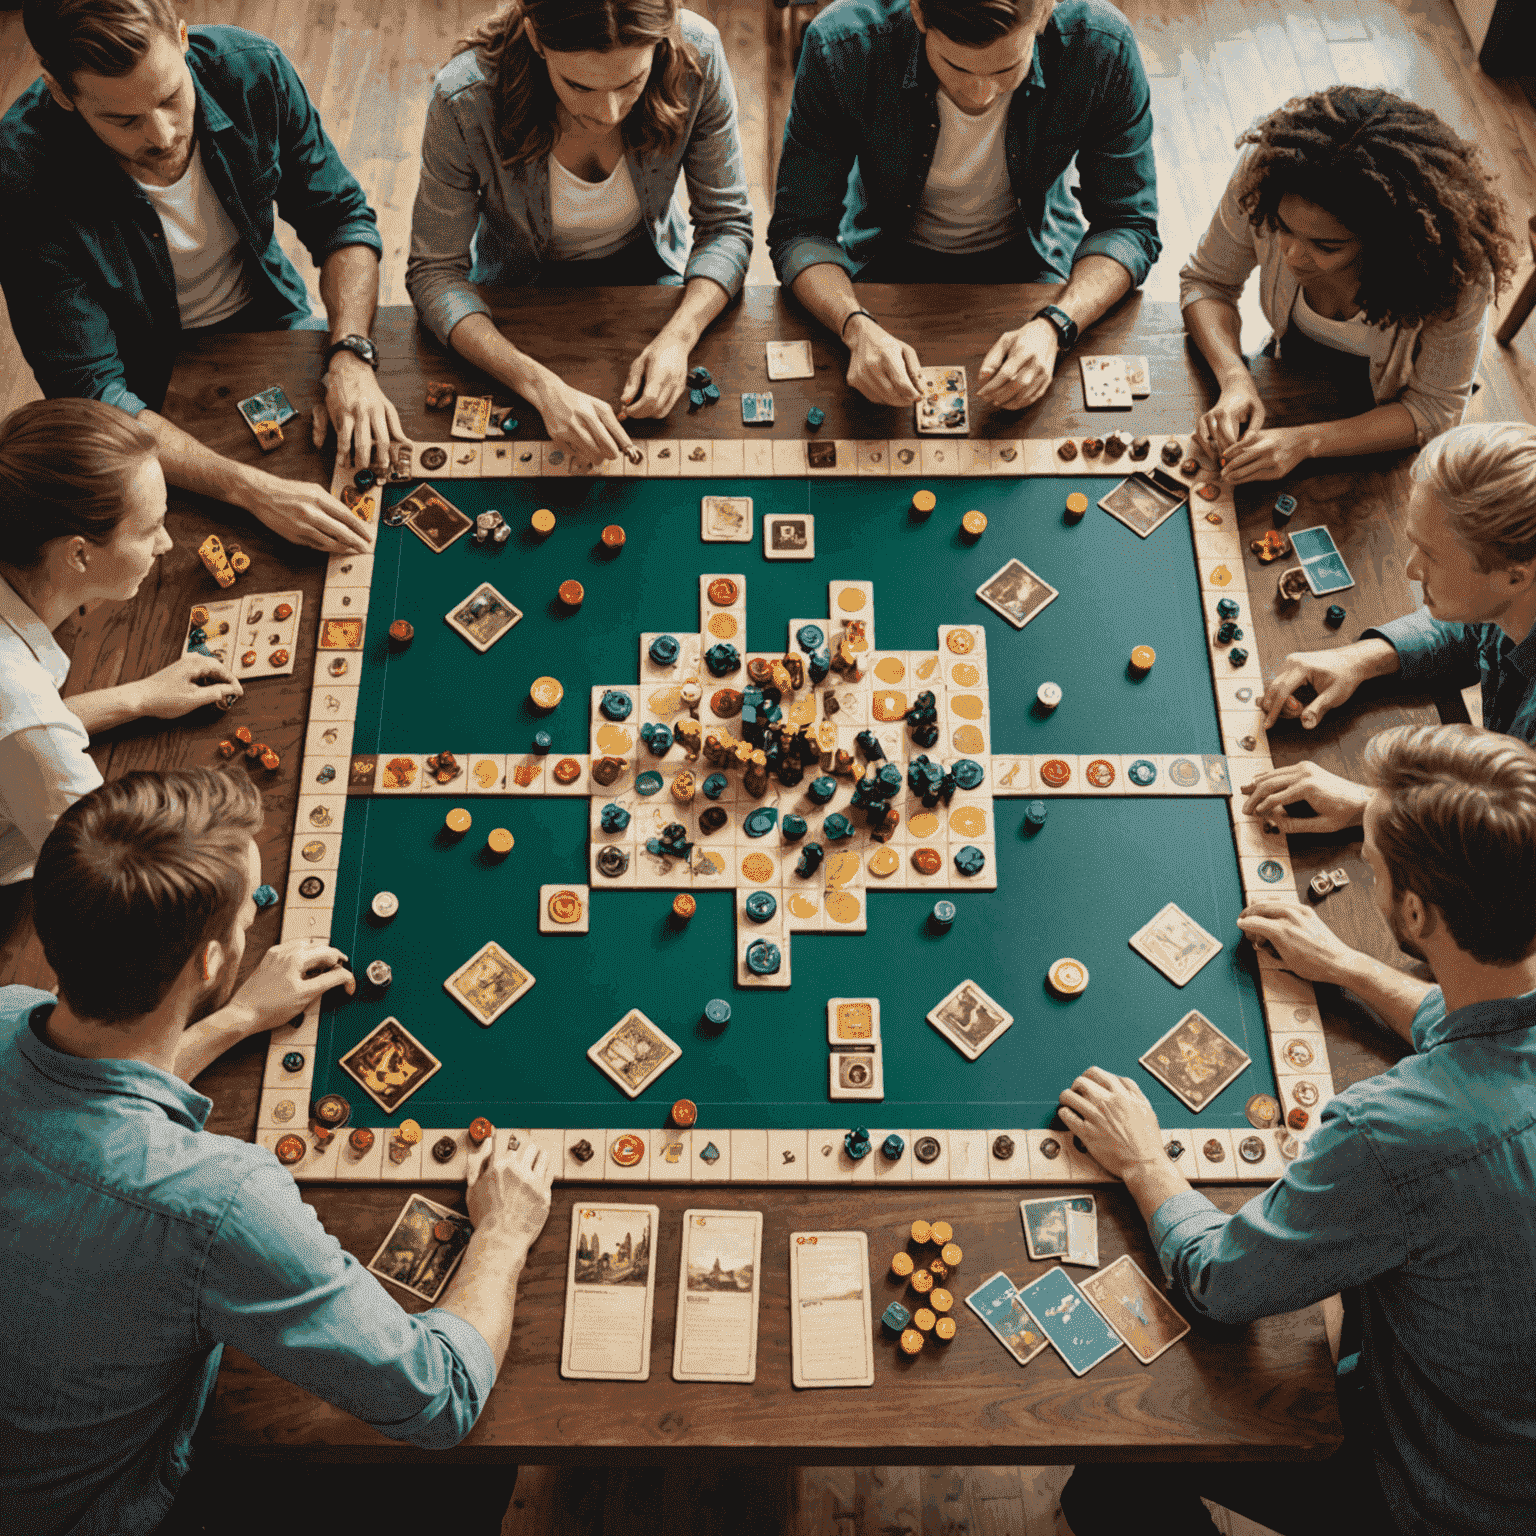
[478, 221]
[1429, 368]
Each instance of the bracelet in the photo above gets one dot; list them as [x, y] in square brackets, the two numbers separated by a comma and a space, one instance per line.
[852, 314]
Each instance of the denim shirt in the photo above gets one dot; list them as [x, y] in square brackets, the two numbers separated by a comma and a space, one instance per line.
[135, 1245]
[863, 127]
[91, 289]
[1419, 1189]
[478, 220]
[1457, 655]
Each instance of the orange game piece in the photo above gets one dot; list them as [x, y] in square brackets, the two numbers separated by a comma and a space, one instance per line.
[457, 820]
[974, 524]
[546, 692]
[683, 906]
[571, 593]
[613, 537]
[1143, 657]
[924, 502]
[499, 840]
[1077, 504]
[543, 522]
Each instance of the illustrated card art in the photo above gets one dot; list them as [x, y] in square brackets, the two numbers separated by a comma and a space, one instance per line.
[1176, 944]
[1016, 593]
[423, 1248]
[634, 1053]
[488, 983]
[1194, 1060]
[389, 1064]
[483, 617]
[433, 518]
[970, 1020]
[1135, 1308]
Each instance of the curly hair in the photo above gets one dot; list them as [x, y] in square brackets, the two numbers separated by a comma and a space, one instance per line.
[524, 104]
[1418, 198]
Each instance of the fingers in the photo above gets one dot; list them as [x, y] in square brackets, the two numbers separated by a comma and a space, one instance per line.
[396, 430]
[633, 381]
[1337, 690]
[319, 424]
[913, 366]
[1274, 698]
[364, 436]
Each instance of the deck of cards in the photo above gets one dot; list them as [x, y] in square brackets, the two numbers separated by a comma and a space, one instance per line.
[790, 360]
[1062, 1227]
[610, 1292]
[432, 518]
[1321, 562]
[943, 408]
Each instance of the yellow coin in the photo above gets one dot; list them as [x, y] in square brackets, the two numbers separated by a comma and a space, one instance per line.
[889, 705]
[841, 868]
[546, 692]
[969, 739]
[968, 821]
[968, 706]
[883, 862]
[757, 867]
[922, 823]
[615, 740]
[1221, 577]
[487, 771]
[457, 820]
[960, 641]
[924, 501]
[851, 599]
[408, 1131]
[965, 674]
[1077, 503]
[499, 840]
[722, 626]
[666, 701]
[844, 907]
[803, 710]
[802, 906]
[890, 669]
[926, 668]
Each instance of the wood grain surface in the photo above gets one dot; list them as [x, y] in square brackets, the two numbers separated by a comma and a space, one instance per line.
[1263, 1392]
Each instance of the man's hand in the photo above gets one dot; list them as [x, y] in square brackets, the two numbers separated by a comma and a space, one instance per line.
[1301, 938]
[185, 685]
[1267, 454]
[290, 977]
[1339, 802]
[365, 419]
[304, 513]
[1238, 409]
[508, 1194]
[656, 378]
[581, 424]
[1115, 1121]
[1019, 368]
[880, 366]
[1332, 675]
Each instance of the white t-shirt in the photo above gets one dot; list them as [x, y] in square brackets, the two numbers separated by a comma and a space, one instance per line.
[204, 247]
[1356, 335]
[591, 218]
[968, 202]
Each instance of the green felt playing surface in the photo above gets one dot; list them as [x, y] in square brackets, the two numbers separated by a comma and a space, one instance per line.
[1093, 875]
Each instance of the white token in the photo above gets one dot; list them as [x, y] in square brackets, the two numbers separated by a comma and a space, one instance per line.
[386, 904]
[1048, 695]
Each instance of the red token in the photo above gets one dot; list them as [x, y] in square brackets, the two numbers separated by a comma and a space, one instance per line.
[289, 1149]
[445, 1231]
[1297, 1119]
[1055, 771]
[480, 1129]
[684, 1113]
[360, 1140]
[627, 1150]
[613, 536]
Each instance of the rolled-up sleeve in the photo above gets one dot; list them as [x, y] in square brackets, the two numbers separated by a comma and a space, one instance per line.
[443, 223]
[819, 150]
[1226, 254]
[719, 204]
[44, 769]
[1332, 1222]
[1430, 650]
[277, 1286]
[1117, 172]
[1445, 369]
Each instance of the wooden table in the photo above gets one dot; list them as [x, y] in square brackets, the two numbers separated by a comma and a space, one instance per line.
[1261, 1393]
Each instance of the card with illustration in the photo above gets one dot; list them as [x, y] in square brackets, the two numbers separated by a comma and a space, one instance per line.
[725, 519]
[488, 983]
[471, 416]
[1135, 1308]
[1016, 593]
[1106, 383]
[1321, 562]
[610, 1290]
[717, 1296]
[483, 617]
[432, 518]
[1142, 504]
[1080, 1336]
[943, 407]
[1048, 1227]
[634, 1053]
[389, 1064]
[970, 1020]
[423, 1248]
[1176, 944]
[789, 537]
[996, 1302]
[1194, 1060]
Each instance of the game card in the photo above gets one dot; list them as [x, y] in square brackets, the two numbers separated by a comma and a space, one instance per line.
[856, 1074]
[1137, 376]
[1176, 944]
[389, 1064]
[831, 1325]
[1135, 1308]
[1105, 383]
[610, 1289]
[265, 414]
[1194, 1060]
[1080, 1336]
[471, 417]
[970, 1020]
[943, 407]
[717, 1296]
[1016, 593]
[1141, 504]
[254, 636]
[1062, 1227]
[1082, 1234]
[488, 983]
[1321, 562]
[790, 538]
[790, 360]
[432, 517]
[725, 519]
[996, 1302]
[483, 617]
[634, 1053]
[423, 1248]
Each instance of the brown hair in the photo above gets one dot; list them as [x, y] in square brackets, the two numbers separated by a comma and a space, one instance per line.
[135, 878]
[65, 468]
[95, 37]
[523, 101]
[1417, 197]
[978, 23]
[1486, 477]
[1459, 830]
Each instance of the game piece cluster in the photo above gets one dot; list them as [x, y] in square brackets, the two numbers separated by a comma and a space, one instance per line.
[1327, 881]
[934, 1245]
[702, 389]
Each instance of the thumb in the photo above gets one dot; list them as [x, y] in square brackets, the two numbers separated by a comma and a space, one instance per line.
[634, 381]
[319, 421]
[1333, 694]
[914, 365]
[993, 360]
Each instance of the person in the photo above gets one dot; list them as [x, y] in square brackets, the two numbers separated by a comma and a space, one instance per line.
[551, 154]
[1415, 1197]
[83, 524]
[931, 141]
[1472, 523]
[138, 1244]
[144, 165]
[1378, 234]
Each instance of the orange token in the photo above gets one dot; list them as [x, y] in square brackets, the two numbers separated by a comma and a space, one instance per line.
[613, 537]
[927, 861]
[627, 1150]
[499, 840]
[565, 907]
[289, 1149]
[684, 1113]
[940, 1299]
[723, 591]
[961, 641]
[1055, 771]
[543, 521]
[566, 771]
[1142, 657]
[1077, 504]
[457, 820]
[480, 1129]
[684, 906]
[974, 524]
[924, 502]
[269, 759]
[248, 659]
[546, 692]
[283, 611]
[571, 593]
[944, 1329]
[902, 1265]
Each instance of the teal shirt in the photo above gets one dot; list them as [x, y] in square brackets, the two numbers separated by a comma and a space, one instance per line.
[90, 287]
[133, 1246]
[1416, 1198]
[863, 127]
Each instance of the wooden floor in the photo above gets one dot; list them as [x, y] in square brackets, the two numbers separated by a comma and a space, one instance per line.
[1214, 66]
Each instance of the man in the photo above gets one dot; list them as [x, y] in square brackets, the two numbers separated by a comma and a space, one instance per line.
[143, 167]
[136, 1245]
[930, 141]
[1472, 524]
[1416, 1196]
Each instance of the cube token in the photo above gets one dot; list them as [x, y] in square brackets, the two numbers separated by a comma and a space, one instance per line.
[1077, 504]
[895, 1317]
[457, 820]
[902, 1265]
[1068, 977]
[571, 593]
[684, 1113]
[924, 502]
[542, 522]
[499, 840]
[974, 524]
[546, 692]
[1048, 695]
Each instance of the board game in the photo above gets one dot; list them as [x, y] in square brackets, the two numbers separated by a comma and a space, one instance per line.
[1007, 703]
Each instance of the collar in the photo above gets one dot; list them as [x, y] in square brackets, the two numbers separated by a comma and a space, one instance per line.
[33, 633]
[919, 73]
[1501, 1016]
[123, 1078]
[1523, 656]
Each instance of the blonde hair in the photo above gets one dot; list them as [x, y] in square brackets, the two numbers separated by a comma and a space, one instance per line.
[1486, 476]
[1458, 829]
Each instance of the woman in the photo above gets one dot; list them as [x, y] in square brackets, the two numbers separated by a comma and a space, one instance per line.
[83, 523]
[1376, 232]
[551, 154]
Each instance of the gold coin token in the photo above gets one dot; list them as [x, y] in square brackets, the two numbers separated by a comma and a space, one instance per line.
[487, 771]
[546, 692]
[922, 823]
[802, 906]
[965, 674]
[888, 705]
[757, 867]
[883, 862]
[843, 907]
[968, 706]
[960, 641]
[722, 626]
[969, 740]
[890, 669]
[851, 599]
[968, 821]
[499, 840]
[565, 907]
[841, 867]
[457, 820]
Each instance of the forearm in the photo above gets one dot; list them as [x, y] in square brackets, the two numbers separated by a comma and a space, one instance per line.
[1391, 994]
[190, 466]
[476, 339]
[484, 1290]
[1097, 283]
[349, 289]
[203, 1043]
[103, 708]
[826, 291]
[703, 298]
[1152, 1183]
[1385, 429]
[1216, 329]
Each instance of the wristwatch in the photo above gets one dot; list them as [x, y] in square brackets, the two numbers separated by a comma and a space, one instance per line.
[361, 347]
[1063, 323]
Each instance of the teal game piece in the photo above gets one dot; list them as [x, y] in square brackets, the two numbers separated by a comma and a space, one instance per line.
[648, 782]
[714, 786]
[617, 704]
[761, 822]
[542, 741]
[664, 650]
[814, 417]
[943, 914]
[821, 788]
[810, 637]
[836, 827]
[761, 905]
[717, 1011]
[970, 860]
[896, 1317]
[763, 958]
[264, 896]
[892, 1147]
[793, 827]
[613, 818]
[1335, 616]
[293, 1061]
[856, 1143]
